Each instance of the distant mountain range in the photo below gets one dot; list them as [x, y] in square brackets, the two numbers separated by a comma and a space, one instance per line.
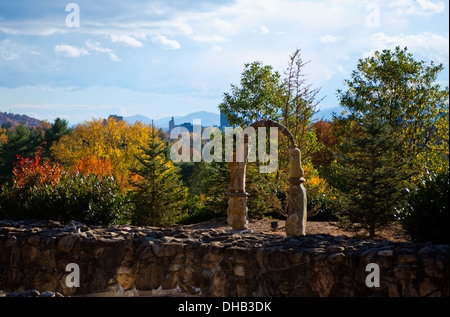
[210, 119]
[327, 114]
[11, 119]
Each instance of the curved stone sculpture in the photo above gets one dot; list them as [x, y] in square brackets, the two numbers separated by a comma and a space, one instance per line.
[237, 196]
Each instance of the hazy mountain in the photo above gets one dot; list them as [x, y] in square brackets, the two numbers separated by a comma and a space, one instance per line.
[11, 119]
[326, 114]
[210, 119]
[138, 117]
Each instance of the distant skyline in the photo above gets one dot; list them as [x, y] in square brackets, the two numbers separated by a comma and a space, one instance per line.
[162, 58]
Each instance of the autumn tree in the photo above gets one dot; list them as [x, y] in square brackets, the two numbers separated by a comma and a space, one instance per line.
[3, 136]
[29, 172]
[111, 141]
[92, 164]
[325, 135]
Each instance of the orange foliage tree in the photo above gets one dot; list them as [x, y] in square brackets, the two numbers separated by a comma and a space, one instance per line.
[92, 164]
[29, 172]
[103, 147]
[324, 132]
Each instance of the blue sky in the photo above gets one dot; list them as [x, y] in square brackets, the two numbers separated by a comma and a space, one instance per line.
[164, 58]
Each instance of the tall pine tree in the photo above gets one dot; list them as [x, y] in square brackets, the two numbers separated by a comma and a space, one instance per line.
[370, 178]
[159, 193]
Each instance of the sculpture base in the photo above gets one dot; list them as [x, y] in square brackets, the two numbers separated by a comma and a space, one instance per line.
[237, 211]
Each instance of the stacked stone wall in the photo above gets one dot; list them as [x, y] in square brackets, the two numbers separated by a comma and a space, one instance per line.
[213, 262]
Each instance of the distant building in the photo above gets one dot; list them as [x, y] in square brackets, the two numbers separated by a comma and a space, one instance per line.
[116, 117]
[171, 124]
[223, 121]
[187, 125]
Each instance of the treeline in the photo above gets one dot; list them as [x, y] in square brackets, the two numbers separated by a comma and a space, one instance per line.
[384, 160]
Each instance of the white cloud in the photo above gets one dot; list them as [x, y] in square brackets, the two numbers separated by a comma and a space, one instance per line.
[6, 50]
[127, 40]
[96, 47]
[331, 39]
[202, 38]
[167, 43]
[418, 7]
[70, 51]
[90, 48]
[8, 55]
[264, 29]
[432, 46]
[217, 49]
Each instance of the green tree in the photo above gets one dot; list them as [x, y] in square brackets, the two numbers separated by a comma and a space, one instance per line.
[371, 180]
[405, 94]
[22, 141]
[158, 193]
[52, 135]
[257, 97]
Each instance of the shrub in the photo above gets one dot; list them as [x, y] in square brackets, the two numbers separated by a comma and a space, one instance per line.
[322, 209]
[426, 214]
[89, 199]
[195, 211]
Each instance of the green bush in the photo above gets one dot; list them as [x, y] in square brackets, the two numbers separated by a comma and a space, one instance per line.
[87, 199]
[195, 210]
[426, 214]
[321, 209]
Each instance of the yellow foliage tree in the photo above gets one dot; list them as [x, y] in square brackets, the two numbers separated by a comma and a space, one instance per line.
[3, 136]
[117, 142]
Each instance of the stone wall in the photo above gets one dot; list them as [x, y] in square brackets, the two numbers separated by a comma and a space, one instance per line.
[213, 262]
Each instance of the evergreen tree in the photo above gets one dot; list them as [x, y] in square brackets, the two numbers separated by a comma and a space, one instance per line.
[159, 193]
[52, 135]
[369, 177]
[23, 141]
[406, 94]
[211, 180]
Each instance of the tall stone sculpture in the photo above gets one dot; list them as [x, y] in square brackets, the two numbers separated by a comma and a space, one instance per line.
[237, 197]
[296, 220]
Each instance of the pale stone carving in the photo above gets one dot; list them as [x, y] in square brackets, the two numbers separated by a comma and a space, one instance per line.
[237, 197]
[296, 220]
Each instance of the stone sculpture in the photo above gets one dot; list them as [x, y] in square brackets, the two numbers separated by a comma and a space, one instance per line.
[296, 220]
[237, 196]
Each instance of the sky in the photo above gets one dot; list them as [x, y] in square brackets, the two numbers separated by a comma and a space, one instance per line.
[89, 59]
